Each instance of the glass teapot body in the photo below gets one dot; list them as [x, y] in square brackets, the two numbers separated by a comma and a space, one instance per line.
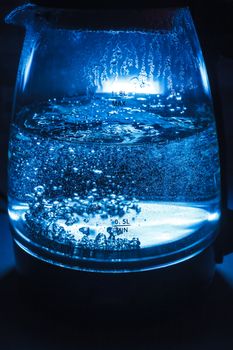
[113, 155]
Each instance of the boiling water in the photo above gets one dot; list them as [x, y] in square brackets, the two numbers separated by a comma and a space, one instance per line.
[107, 176]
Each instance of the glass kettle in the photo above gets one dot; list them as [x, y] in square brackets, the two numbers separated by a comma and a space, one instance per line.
[113, 154]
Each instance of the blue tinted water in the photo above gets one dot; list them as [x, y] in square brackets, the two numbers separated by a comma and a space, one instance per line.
[92, 176]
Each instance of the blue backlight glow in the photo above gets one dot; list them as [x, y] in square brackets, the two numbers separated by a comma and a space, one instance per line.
[133, 85]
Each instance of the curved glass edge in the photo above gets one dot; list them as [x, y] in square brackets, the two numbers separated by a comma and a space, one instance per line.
[118, 265]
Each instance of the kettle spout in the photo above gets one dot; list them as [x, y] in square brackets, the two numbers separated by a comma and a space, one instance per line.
[21, 15]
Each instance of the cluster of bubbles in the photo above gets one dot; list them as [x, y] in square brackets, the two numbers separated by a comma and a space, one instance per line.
[76, 166]
[49, 221]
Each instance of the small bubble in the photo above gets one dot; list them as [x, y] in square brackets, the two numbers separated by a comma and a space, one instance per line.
[71, 150]
[85, 243]
[135, 243]
[84, 202]
[101, 241]
[85, 230]
[110, 230]
[104, 215]
[39, 190]
[96, 171]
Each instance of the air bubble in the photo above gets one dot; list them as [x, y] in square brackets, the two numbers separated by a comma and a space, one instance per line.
[96, 171]
[39, 190]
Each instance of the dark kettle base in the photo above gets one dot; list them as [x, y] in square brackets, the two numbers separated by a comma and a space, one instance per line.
[109, 296]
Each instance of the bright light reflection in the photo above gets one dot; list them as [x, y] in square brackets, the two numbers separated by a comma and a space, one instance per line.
[204, 77]
[165, 223]
[133, 85]
[28, 67]
[214, 216]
